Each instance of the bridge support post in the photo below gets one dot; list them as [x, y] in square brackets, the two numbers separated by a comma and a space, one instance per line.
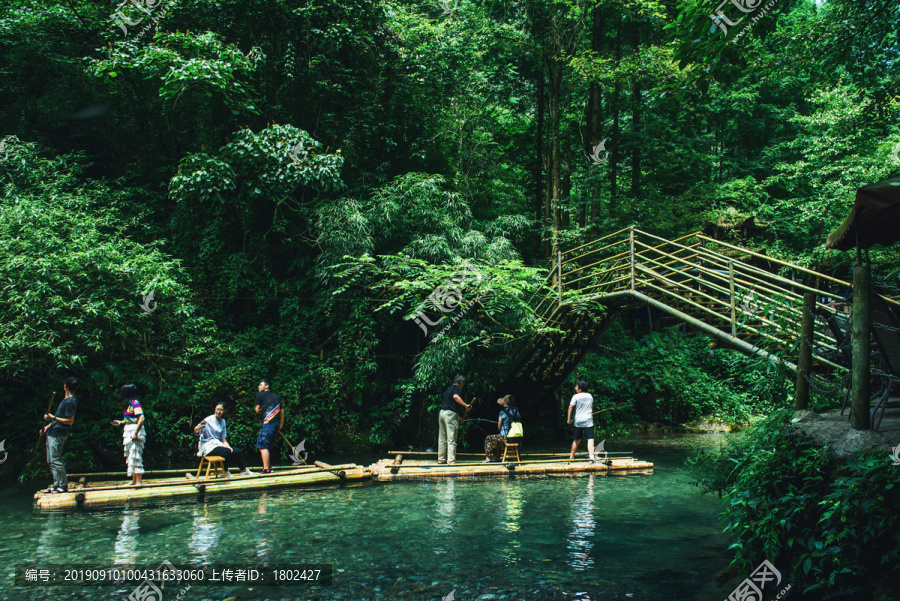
[631, 239]
[807, 331]
[731, 296]
[859, 419]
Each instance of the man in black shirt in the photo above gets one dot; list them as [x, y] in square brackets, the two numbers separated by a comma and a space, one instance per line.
[57, 431]
[448, 420]
[269, 405]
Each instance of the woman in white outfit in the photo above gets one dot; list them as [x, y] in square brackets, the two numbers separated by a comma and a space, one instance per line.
[213, 435]
[133, 435]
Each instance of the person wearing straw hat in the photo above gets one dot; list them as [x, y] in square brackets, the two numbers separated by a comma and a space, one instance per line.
[269, 406]
[57, 432]
[495, 443]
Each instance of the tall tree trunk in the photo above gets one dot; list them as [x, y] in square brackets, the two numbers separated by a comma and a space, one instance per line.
[540, 161]
[595, 106]
[554, 182]
[567, 186]
[616, 137]
[636, 121]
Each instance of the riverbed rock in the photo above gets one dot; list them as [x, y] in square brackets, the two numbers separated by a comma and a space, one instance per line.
[703, 426]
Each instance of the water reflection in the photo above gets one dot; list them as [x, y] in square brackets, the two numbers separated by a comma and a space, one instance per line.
[510, 520]
[51, 533]
[581, 538]
[444, 505]
[125, 548]
[261, 529]
[521, 538]
[205, 532]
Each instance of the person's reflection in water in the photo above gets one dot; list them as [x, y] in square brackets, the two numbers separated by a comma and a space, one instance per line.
[445, 504]
[511, 514]
[205, 532]
[260, 528]
[581, 539]
[125, 548]
[51, 540]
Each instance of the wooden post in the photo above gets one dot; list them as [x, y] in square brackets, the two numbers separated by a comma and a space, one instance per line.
[559, 262]
[631, 238]
[731, 296]
[807, 331]
[859, 419]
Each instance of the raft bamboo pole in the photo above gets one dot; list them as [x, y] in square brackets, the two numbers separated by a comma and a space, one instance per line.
[527, 470]
[443, 466]
[169, 472]
[192, 478]
[218, 480]
[417, 453]
[91, 497]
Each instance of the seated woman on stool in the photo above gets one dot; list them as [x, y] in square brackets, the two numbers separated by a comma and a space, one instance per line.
[495, 443]
[214, 441]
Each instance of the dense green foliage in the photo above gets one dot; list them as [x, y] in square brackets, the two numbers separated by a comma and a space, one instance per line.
[673, 377]
[828, 524]
[291, 181]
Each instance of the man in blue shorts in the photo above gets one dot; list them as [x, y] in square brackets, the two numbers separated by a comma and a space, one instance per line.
[583, 404]
[269, 405]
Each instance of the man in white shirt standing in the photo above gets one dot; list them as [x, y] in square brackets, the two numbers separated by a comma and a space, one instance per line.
[583, 403]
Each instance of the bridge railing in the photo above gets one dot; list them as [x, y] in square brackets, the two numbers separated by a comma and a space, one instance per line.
[739, 291]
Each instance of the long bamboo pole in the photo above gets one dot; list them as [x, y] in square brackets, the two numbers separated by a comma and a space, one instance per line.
[40, 437]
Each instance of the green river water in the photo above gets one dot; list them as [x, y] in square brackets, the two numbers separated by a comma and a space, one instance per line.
[639, 537]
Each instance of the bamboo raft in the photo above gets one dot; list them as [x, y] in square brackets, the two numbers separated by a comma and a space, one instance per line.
[400, 468]
[187, 487]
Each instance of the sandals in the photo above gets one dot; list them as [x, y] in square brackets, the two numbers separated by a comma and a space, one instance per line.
[268, 471]
[58, 491]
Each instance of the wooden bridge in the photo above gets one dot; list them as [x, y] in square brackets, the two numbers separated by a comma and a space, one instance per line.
[747, 300]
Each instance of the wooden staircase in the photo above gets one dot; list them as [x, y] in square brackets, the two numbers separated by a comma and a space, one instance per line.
[744, 299]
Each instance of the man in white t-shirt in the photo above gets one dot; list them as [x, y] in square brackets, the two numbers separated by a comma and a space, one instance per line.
[583, 403]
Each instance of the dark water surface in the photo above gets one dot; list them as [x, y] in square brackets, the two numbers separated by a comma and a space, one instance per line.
[569, 537]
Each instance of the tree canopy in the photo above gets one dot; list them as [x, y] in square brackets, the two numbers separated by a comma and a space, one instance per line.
[292, 180]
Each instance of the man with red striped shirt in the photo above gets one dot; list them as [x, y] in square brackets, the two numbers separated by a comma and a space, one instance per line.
[269, 405]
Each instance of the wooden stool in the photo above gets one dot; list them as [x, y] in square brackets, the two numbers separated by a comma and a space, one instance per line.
[515, 449]
[214, 461]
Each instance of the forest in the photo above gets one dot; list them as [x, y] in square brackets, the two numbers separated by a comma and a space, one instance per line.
[197, 195]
